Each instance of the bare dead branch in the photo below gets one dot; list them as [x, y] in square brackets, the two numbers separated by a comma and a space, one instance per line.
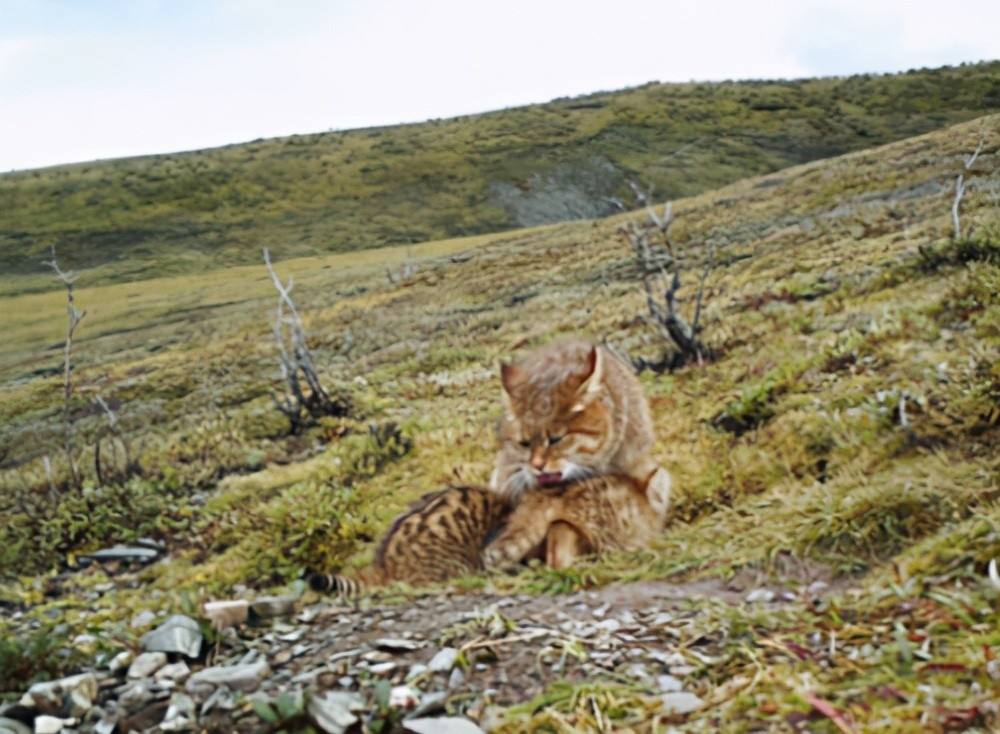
[296, 362]
[960, 188]
[75, 316]
[660, 272]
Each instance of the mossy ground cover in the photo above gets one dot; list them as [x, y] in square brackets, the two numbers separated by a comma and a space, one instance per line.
[569, 159]
[850, 421]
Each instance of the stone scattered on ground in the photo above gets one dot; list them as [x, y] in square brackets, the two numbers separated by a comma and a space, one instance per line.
[445, 664]
[179, 634]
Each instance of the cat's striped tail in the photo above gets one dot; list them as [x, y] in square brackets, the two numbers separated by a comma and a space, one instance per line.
[346, 587]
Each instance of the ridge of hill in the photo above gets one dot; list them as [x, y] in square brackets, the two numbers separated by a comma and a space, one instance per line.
[566, 159]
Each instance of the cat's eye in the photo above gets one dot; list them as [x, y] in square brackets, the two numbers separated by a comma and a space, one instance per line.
[554, 440]
[525, 444]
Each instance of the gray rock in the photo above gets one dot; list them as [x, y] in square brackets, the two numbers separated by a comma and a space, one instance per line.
[66, 696]
[137, 694]
[146, 664]
[442, 725]
[456, 678]
[392, 644]
[760, 595]
[680, 702]
[382, 668]
[404, 697]
[143, 618]
[334, 711]
[13, 726]
[430, 703]
[222, 699]
[244, 678]
[274, 606]
[668, 684]
[178, 634]
[443, 661]
[175, 672]
[224, 614]
[45, 724]
[124, 553]
[120, 661]
[180, 714]
[415, 670]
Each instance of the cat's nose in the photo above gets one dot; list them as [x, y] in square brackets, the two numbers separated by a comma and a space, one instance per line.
[537, 462]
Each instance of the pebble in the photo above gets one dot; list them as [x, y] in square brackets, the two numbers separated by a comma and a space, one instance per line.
[146, 664]
[143, 618]
[668, 683]
[120, 661]
[760, 595]
[681, 702]
[274, 606]
[442, 725]
[45, 724]
[403, 697]
[225, 614]
[12, 726]
[382, 668]
[244, 678]
[180, 714]
[72, 696]
[174, 672]
[335, 711]
[443, 661]
[178, 634]
[392, 644]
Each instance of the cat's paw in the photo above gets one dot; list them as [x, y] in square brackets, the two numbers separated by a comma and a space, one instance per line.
[504, 553]
[658, 491]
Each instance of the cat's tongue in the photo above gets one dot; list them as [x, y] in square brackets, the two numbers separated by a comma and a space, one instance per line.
[547, 479]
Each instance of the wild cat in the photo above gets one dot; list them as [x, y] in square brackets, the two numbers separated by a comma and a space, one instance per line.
[441, 535]
[573, 410]
[561, 522]
[464, 530]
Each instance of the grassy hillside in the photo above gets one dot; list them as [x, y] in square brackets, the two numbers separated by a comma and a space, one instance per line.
[569, 159]
[850, 423]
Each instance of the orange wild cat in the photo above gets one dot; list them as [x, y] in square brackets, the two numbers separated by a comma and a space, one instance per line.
[574, 410]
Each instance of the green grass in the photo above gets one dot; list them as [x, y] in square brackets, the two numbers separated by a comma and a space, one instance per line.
[314, 194]
[827, 314]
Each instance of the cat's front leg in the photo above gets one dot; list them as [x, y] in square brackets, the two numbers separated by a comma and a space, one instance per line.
[522, 537]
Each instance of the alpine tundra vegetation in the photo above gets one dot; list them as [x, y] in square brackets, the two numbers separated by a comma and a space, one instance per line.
[836, 482]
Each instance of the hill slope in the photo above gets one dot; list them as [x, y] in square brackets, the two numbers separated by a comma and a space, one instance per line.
[568, 159]
[848, 430]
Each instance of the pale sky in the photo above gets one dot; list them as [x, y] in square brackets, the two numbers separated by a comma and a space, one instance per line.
[87, 79]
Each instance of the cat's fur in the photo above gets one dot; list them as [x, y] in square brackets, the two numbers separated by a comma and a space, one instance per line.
[565, 521]
[462, 530]
[573, 410]
[440, 536]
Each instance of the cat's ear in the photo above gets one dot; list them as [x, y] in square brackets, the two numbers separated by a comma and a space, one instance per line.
[510, 376]
[593, 372]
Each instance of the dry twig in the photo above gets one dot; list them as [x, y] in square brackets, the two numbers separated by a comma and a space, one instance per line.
[75, 317]
[960, 188]
[299, 406]
[662, 270]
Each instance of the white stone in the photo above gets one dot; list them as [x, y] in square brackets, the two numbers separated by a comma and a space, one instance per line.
[442, 725]
[146, 664]
[681, 702]
[443, 661]
[244, 678]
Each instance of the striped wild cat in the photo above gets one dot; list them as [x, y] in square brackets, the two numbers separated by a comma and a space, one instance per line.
[574, 410]
[441, 535]
[561, 522]
[464, 530]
